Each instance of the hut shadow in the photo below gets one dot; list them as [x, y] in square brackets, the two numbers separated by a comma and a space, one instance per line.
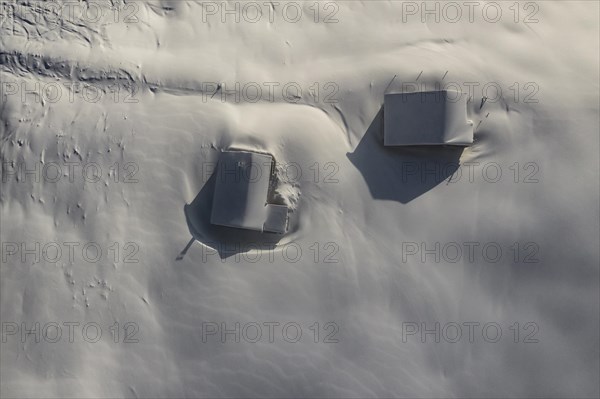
[401, 173]
[221, 240]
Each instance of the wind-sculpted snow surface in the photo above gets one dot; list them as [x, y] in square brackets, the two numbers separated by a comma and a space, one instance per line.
[415, 272]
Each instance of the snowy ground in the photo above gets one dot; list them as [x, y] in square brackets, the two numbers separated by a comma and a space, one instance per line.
[405, 272]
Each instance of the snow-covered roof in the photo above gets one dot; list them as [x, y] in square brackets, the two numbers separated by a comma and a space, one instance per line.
[241, 190]
[426, 118]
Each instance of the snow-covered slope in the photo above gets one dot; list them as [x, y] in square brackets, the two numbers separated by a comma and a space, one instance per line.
[112, 122]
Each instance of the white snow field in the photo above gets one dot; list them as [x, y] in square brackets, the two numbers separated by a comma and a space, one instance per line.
[417, 272]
